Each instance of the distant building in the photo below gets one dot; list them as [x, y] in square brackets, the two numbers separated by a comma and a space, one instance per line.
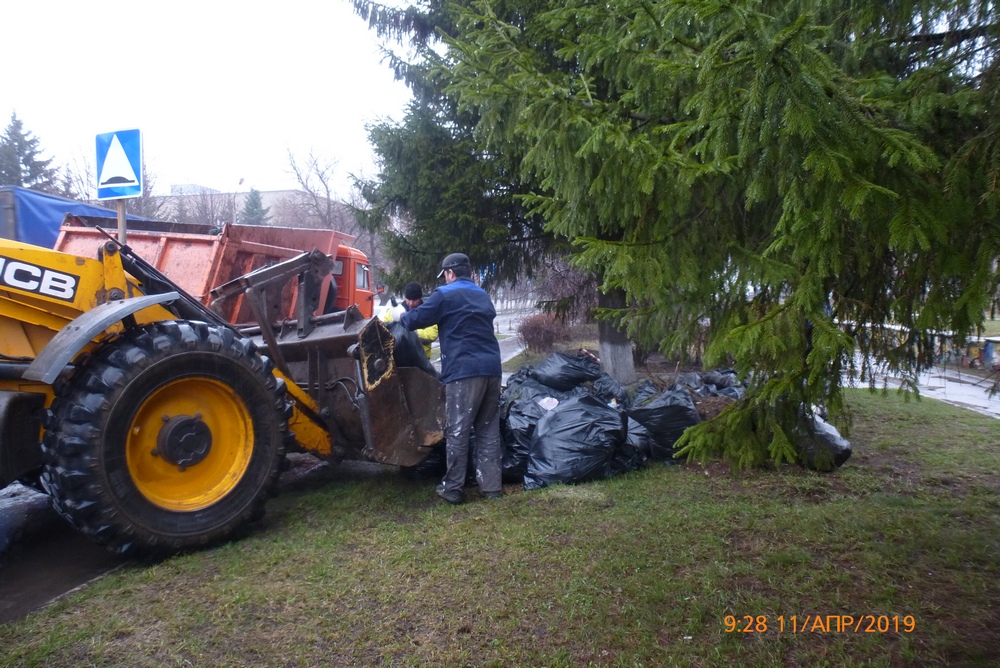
[191, 189]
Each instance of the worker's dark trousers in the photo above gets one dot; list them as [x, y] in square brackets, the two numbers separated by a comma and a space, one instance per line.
[473, 402]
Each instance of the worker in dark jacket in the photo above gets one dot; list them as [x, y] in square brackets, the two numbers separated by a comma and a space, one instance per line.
[470, 370]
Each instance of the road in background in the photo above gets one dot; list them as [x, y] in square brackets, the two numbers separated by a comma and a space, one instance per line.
[508, 320]
[954, 386]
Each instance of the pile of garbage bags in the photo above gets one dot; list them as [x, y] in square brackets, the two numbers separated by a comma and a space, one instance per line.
[567, 421]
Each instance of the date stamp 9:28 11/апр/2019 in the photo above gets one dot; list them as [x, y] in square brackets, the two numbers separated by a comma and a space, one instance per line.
[820, 623]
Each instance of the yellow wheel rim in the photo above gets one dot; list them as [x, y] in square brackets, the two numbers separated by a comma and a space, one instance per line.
[190, 488]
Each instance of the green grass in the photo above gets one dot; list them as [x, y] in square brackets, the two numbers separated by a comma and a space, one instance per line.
[583, 336]
[524, 358]
[638, 570]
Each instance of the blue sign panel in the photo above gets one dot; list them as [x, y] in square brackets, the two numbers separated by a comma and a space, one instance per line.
[119, 164]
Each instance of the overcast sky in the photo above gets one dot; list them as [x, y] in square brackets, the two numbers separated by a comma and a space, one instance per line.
[221, 90]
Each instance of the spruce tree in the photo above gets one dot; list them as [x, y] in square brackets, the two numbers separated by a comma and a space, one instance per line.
[438, 190]
[21, 161]
[254, 211]
[441, 187]
[809, 186]
[438, 193]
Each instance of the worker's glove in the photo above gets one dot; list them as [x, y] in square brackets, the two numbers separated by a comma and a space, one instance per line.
[397, 312]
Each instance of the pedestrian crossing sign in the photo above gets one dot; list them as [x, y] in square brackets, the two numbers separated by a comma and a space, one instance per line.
[119, 164]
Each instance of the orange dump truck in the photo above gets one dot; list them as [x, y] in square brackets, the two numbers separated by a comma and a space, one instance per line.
[200, 258]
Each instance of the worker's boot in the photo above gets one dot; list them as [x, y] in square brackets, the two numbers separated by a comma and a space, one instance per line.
[453, 497]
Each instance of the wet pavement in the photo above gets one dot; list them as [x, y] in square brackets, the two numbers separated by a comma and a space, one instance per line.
[50, 563]
[41, 557]
[957, 387]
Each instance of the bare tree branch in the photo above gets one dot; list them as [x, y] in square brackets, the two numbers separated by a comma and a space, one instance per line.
[318, 204]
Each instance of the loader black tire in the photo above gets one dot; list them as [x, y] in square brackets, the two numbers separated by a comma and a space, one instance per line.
[167, 438]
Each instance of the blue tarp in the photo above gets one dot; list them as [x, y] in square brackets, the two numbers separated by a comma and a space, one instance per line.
[38, 216]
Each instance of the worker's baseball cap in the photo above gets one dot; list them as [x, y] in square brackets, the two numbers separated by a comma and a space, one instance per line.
[452, 261]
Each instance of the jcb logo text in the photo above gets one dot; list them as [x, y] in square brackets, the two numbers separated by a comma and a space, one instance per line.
[48, 282]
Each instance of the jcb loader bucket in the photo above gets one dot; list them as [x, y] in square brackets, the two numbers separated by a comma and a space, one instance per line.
[402, 408]
[371, 409]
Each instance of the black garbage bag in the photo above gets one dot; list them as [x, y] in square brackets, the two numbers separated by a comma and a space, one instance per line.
[607, 389]
[634, 452]
[721, 378]
[522, 386]
[518, 427]
[690, 379]
[518, 377]
[666, 418]
[574, 442]
[432, 468]
[522, 405]
[529, 388]
[407, 349]
[820, 445]
[564, 372]
[735, 392]
[625, 459]
[526, 389]
[644, 393]
[514, 466]
[639, 439]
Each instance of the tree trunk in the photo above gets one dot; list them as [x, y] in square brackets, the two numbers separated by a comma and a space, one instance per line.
[615, 348]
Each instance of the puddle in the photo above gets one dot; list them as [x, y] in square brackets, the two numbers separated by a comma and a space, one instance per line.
[54, 560]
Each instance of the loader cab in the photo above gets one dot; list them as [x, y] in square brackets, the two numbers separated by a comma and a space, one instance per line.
[352, 273]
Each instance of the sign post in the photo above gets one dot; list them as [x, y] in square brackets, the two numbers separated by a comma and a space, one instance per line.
[119, 170]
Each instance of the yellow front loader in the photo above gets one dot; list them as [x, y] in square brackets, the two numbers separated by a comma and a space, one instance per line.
[156, 425]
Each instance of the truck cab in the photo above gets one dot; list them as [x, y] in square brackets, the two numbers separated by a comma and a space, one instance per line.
[352, 273]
